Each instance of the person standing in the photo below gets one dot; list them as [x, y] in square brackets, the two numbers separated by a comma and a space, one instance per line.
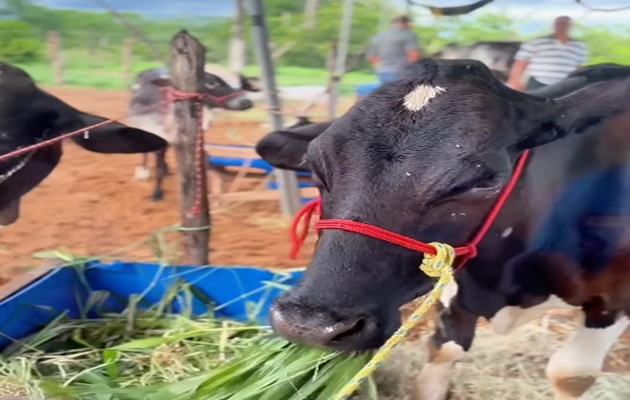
[392, 50]
[548, 59]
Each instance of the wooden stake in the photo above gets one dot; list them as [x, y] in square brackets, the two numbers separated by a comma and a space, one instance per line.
[187, 62]
[54, 52]
[127, 60]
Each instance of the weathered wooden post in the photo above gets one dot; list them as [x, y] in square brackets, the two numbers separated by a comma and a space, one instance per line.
[342, 56]
[187, 60]
[331, 66]
[127, 60]
[54, 52]
[287, 180]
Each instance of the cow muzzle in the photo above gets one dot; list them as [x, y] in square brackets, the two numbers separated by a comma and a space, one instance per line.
[325, 329]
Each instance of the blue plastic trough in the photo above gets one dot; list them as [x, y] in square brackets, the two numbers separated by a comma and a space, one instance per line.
[232, 289]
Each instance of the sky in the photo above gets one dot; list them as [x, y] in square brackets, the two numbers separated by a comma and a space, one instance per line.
[534, 14]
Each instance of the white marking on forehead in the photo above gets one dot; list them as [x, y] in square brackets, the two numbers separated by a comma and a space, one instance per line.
[420, 96]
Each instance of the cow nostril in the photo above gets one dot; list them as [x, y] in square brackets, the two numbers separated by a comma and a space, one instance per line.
[317, 330]
[348, 331]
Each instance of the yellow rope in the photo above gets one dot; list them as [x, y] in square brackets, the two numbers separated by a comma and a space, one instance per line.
[436, 266]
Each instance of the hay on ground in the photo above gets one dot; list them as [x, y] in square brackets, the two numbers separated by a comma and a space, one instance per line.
[510, 367]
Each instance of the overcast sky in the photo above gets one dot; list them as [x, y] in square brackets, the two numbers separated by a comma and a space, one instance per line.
[534, 14]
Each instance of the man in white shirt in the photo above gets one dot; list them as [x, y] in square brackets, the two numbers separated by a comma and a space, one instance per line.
[549, 59]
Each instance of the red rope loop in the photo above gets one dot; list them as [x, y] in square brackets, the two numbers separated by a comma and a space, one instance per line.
[465, 252]
[304, 215]
[171, 95]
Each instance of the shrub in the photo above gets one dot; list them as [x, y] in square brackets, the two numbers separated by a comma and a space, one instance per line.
[19, 42]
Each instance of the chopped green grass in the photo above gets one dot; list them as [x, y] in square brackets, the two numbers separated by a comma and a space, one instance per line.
[153, 354]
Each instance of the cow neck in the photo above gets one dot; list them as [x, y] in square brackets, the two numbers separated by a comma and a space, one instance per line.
[464, 253]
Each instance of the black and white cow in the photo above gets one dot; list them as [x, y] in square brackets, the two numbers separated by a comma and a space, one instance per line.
[146, 94]
[496, 55]
[29, 115]
[236, 80]
[427, 157]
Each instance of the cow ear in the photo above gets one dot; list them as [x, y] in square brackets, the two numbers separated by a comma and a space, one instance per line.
[575, 113]
[285, 149]
[250, 84]
[115, 137]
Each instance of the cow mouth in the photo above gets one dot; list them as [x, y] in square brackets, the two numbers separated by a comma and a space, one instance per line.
[16, 168]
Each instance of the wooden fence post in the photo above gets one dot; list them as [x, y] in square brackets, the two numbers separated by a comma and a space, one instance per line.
[187, 62]
[127, 60]
[332, 81]
[54, 53]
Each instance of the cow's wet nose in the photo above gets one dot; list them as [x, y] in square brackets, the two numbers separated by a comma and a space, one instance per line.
[246, 104]
[318, 329]
[240, 103]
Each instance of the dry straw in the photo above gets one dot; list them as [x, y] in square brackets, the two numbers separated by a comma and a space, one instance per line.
[510, 367]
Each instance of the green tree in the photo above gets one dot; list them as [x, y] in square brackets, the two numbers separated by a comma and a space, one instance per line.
[19, 42]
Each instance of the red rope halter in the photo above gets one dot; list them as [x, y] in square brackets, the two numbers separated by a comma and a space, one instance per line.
[466, 252]
[171, 95]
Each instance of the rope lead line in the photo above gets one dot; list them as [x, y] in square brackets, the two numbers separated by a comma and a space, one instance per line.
[435, 266]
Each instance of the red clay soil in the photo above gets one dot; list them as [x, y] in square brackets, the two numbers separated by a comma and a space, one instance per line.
[92, 205]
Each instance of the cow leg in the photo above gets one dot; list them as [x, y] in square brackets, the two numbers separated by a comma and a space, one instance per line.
[574, 368]
[142, 172]
[450, 342]
[160, 173]
[167, 169]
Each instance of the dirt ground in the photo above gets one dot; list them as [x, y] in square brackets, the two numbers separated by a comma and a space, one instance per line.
[92, 205]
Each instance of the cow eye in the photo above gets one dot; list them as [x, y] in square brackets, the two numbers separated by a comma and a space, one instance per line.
[212, 85]
[491, 182]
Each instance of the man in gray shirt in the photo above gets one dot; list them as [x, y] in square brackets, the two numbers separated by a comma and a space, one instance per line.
[392, 50]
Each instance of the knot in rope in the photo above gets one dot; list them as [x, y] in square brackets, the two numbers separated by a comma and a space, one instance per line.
[435, 265]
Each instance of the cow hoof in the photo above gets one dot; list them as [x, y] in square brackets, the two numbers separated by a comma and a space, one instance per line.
[157, 197]
[142, 173]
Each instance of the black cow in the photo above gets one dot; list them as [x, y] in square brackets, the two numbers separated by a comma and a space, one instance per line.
[146, 93]
[497, 55]
[426, 157]
[28, 115]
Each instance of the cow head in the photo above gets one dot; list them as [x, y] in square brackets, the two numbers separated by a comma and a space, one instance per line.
[426, 157]
[219, 93]
[234, 79]
[28, 116]
[250, 83]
